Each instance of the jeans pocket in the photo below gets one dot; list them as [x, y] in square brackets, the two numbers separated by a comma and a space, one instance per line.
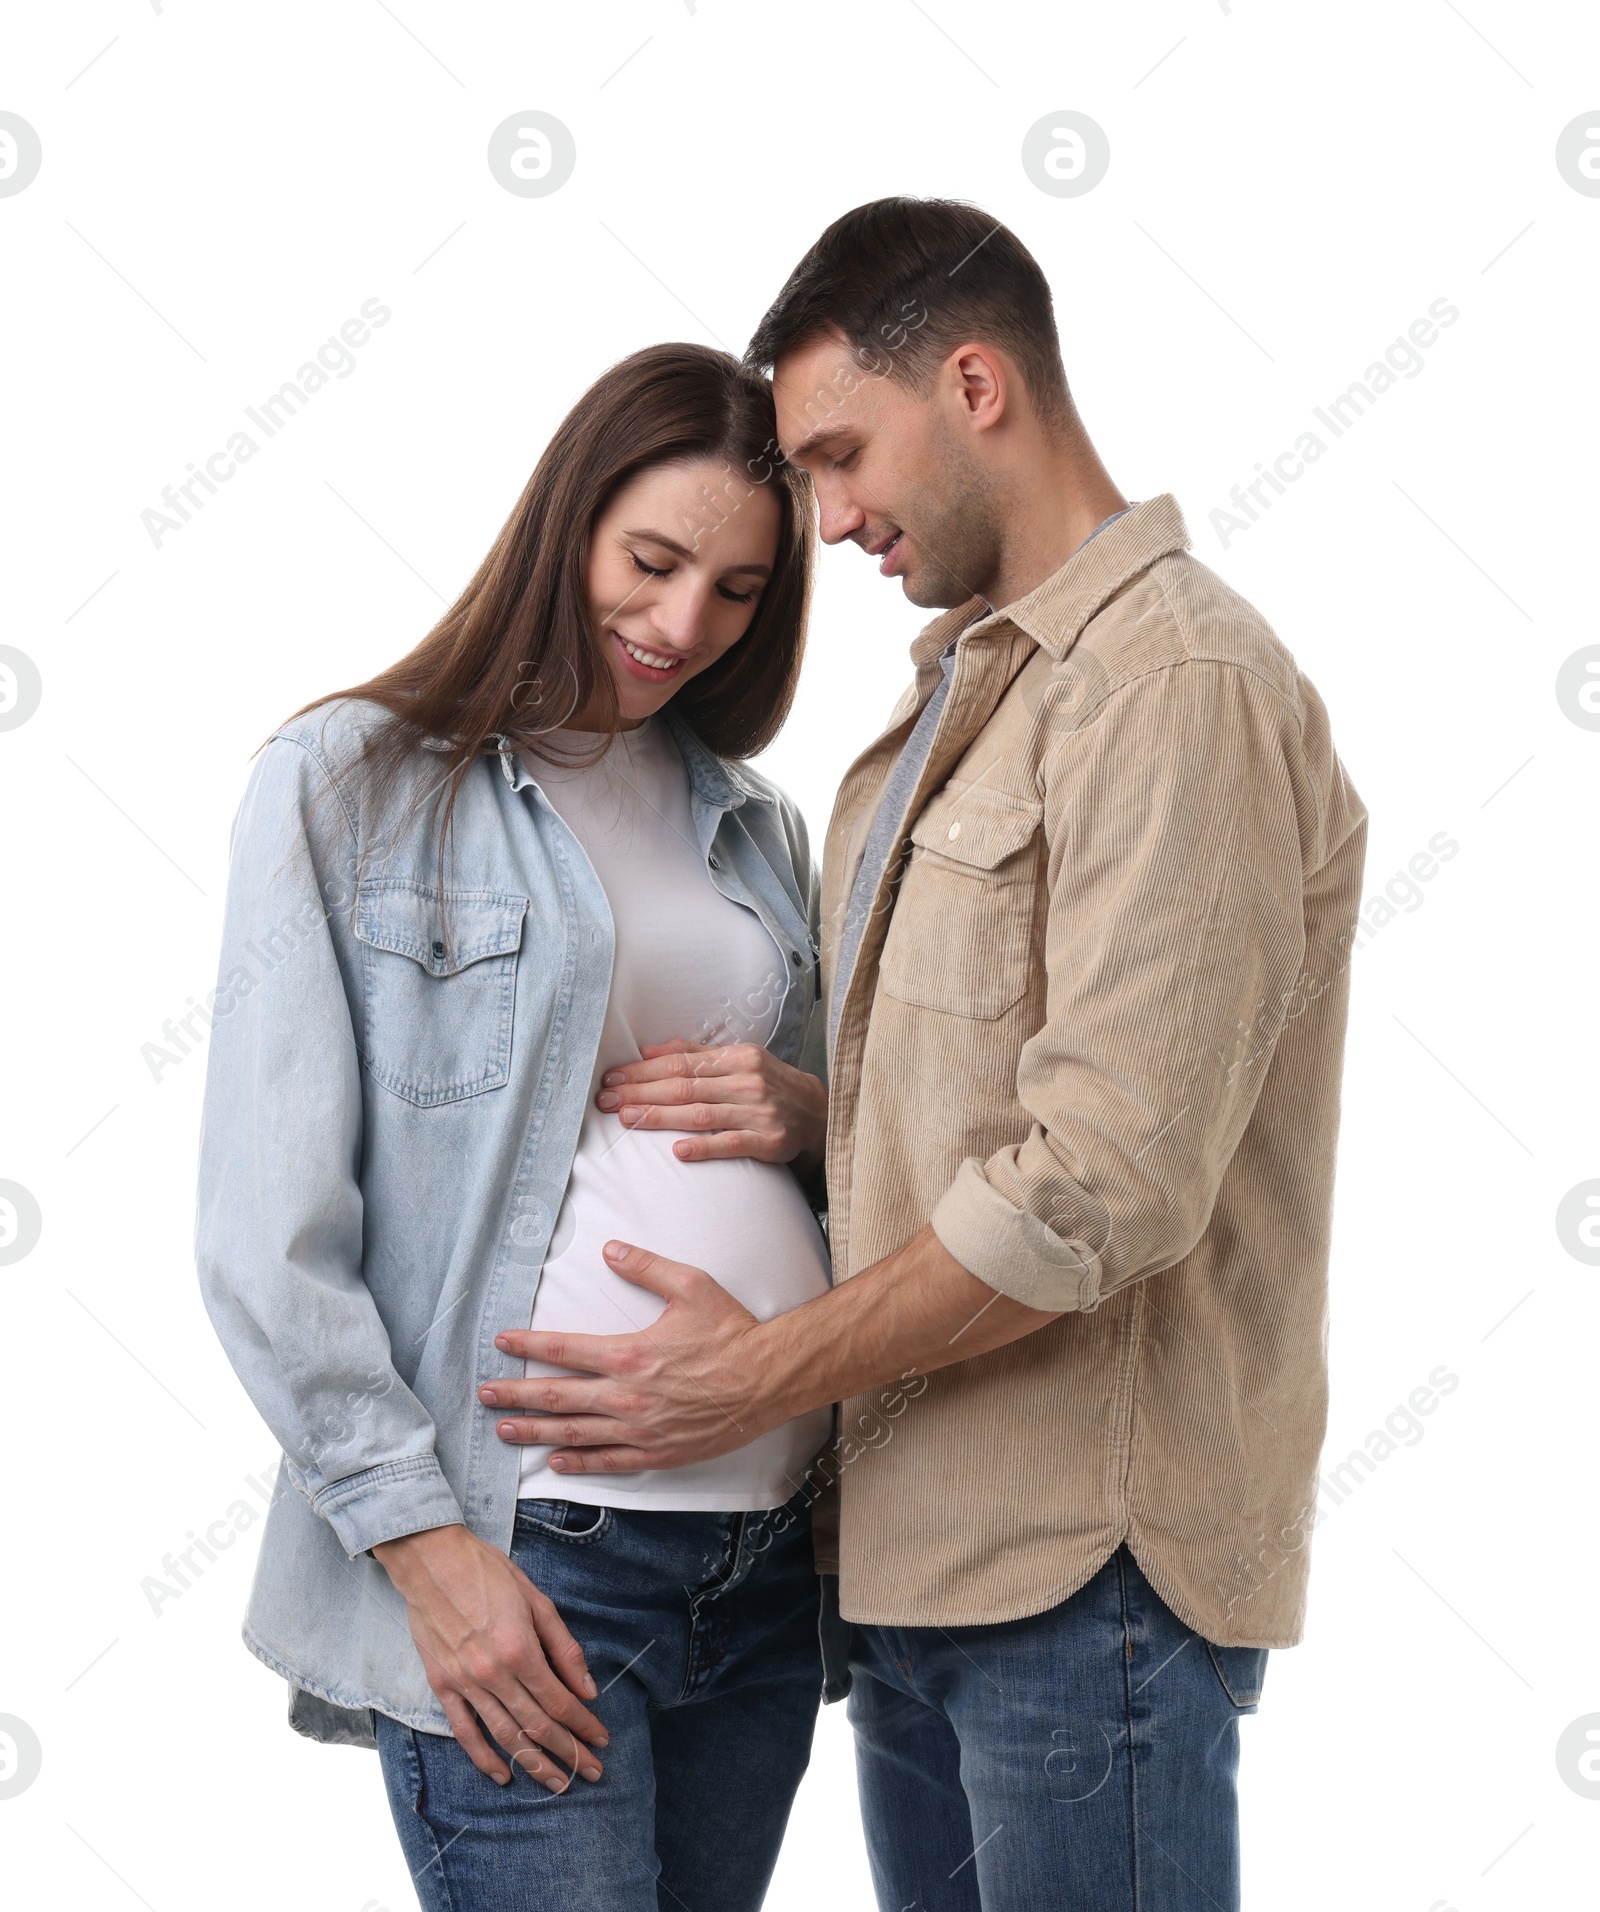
[1242, 1671]
[573, 1521]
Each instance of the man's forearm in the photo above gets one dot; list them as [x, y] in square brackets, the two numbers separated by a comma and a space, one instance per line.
[707, 1376]
[916, 1310]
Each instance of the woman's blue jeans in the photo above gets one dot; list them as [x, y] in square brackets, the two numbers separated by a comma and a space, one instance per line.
[701, 1632]
[1083, 1759]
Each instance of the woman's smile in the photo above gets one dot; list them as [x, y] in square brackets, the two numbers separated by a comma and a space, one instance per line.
[654, 667]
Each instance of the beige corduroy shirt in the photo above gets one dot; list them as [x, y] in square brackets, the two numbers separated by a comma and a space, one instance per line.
[1094, 1034]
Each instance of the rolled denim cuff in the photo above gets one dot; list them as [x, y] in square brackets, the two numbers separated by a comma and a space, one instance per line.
[1012, 1251]
[386, 1502]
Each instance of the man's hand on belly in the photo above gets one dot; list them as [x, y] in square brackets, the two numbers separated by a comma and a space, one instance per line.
[677, 1391]
[707, 1377]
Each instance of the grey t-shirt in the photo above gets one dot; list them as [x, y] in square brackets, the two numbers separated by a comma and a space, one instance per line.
[888, 823]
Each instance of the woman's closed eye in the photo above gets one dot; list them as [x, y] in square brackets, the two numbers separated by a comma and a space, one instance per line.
[733, 597]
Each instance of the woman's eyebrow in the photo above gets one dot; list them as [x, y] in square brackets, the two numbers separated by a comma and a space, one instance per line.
[660, 537]
[682, 551]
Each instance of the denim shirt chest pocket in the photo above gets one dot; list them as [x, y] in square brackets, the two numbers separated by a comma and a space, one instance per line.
[440, 975]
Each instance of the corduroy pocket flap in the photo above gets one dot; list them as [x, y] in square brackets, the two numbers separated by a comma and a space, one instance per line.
[978, 827]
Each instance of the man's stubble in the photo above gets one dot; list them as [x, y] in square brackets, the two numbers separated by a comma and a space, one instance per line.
[953, 523]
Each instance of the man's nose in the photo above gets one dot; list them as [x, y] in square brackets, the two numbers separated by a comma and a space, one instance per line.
[838, 515]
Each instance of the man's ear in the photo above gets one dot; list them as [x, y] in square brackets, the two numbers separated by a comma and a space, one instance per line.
[982, 384]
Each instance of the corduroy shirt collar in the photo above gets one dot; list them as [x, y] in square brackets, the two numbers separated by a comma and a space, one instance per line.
[1054, 613]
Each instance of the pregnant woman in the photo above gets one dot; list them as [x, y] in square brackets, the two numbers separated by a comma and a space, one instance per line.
[461, 893]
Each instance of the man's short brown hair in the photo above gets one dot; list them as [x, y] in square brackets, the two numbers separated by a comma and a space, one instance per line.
[906, 281]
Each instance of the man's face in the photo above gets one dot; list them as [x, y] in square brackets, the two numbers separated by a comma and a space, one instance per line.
[894, 470]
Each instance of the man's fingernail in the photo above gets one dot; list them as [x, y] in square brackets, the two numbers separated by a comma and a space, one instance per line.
[589, 1686]
[502, 1779]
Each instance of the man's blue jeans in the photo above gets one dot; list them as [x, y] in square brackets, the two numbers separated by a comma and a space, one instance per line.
[1082, 1760]
[701, 1632]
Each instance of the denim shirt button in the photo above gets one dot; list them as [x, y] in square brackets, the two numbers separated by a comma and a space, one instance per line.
[713, 861]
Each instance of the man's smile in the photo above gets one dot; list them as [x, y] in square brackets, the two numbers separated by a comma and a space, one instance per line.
[884, 550]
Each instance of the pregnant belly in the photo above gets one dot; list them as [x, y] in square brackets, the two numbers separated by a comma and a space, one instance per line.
[745, 1223]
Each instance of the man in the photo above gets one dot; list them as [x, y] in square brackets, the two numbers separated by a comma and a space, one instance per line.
[1088, 908]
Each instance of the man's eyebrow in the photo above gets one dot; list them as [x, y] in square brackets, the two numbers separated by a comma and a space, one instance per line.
[683, 551]
[823, 435]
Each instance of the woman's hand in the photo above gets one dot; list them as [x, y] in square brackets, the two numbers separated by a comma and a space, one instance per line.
[738, 1099]
[495, 1647]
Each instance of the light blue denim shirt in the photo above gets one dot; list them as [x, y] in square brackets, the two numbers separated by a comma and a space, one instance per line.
[393, 1101]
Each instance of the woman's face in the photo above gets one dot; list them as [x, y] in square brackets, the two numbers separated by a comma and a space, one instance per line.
[677, 565]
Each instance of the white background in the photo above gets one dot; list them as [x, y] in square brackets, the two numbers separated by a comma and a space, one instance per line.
[1289, 188]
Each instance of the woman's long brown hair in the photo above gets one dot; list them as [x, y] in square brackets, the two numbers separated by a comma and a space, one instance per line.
[517, 654]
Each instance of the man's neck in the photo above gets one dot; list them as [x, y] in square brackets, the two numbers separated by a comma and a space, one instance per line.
[1057, 501]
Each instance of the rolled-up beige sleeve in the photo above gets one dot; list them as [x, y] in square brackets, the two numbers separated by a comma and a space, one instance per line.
[1181, 829]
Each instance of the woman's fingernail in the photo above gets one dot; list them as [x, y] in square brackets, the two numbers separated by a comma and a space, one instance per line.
[611, 1076]
[487, 1396]
[614, 1251]
[508, 1430]
[589, 1686]
[502, 1779]
[558, 1466]
[607, 1101]
[502, 1341]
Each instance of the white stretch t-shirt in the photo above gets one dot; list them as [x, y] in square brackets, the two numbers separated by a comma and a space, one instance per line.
[688, 963]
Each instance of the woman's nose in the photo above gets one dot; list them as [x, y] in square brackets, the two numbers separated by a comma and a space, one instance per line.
[678, 619]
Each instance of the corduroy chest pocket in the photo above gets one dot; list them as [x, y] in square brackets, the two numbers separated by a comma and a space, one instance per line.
[961, 937]
[441, 981]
